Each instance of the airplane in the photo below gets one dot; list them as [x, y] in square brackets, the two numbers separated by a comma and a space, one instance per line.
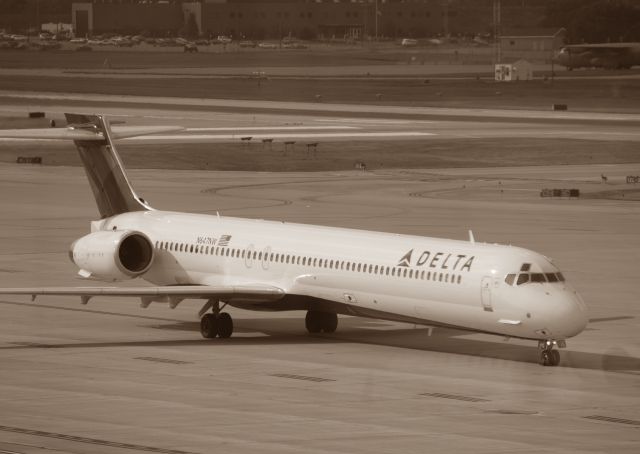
[280, 266]
[608, 56]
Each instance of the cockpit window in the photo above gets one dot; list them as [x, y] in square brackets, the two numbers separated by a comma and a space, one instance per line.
[523, 278]
[525, 267]
[537, 277]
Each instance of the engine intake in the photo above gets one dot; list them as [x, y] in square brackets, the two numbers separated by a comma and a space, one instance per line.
[113, 255]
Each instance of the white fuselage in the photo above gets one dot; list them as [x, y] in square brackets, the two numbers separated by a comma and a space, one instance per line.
[389, 276]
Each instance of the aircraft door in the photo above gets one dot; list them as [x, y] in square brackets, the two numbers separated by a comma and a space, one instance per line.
[485, 294]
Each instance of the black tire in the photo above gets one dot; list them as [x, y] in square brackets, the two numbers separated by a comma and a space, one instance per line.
[209, 326]
[544, 358]
[554, 358]
[313, 322]
[329, 322]
[225, 325]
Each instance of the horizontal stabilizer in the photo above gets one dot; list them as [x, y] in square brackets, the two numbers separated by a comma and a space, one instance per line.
[80, 132]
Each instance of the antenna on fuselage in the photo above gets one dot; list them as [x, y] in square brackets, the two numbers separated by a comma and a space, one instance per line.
[471, 238]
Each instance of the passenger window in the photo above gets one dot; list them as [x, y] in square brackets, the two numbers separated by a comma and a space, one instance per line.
[551, 277]
[523, 278]
[537, 277]
[510, 279]
[459, 278]
[440, 277]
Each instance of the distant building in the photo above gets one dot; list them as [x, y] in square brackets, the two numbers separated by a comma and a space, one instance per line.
[533, 39]
[512, 72]
[339, 19]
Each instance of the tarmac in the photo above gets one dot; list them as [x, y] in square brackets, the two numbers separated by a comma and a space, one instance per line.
[111, 377]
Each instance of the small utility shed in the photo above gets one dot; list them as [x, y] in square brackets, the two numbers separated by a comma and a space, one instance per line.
[509, 72]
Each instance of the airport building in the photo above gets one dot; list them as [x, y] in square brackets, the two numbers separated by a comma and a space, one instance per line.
[305, 19]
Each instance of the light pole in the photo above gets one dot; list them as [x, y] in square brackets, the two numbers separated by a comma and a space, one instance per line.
[376, 21]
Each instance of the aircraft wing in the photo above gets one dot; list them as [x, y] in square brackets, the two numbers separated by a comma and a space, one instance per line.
[171, 294]
[78, 133]
[601, 49]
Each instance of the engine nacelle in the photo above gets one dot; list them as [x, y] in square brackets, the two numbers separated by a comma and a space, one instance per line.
[113, 255]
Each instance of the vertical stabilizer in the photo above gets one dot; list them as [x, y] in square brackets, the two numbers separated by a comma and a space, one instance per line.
[107, 177]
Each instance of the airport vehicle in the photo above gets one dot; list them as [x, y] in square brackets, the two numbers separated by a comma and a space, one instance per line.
[608, 56]
[276, 266]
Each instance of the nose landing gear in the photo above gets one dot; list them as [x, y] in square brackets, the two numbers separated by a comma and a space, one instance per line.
[549, 356]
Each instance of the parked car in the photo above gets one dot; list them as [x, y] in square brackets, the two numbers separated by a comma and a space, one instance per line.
[190, 48]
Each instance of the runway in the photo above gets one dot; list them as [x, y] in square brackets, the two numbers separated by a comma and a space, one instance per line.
[111, 377]
[318, 122]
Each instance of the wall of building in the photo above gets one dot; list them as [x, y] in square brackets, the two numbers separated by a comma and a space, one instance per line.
[158, 18]
[309, 19]
[329, 20]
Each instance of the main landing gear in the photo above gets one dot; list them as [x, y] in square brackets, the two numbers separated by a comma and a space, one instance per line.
[218, 323]
[548, 356]
[317, 322]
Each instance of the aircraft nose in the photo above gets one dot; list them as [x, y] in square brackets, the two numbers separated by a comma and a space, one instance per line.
[574, 318]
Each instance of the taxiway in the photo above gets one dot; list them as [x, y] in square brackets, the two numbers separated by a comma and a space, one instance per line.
[111, 377]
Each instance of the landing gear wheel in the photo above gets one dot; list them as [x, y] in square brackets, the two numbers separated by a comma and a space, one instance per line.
[209, 326]
[545, 358]
[313, 321]
[548, 356]
[225, 325]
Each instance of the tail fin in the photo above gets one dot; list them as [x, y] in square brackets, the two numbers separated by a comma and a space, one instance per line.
[106, 174]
